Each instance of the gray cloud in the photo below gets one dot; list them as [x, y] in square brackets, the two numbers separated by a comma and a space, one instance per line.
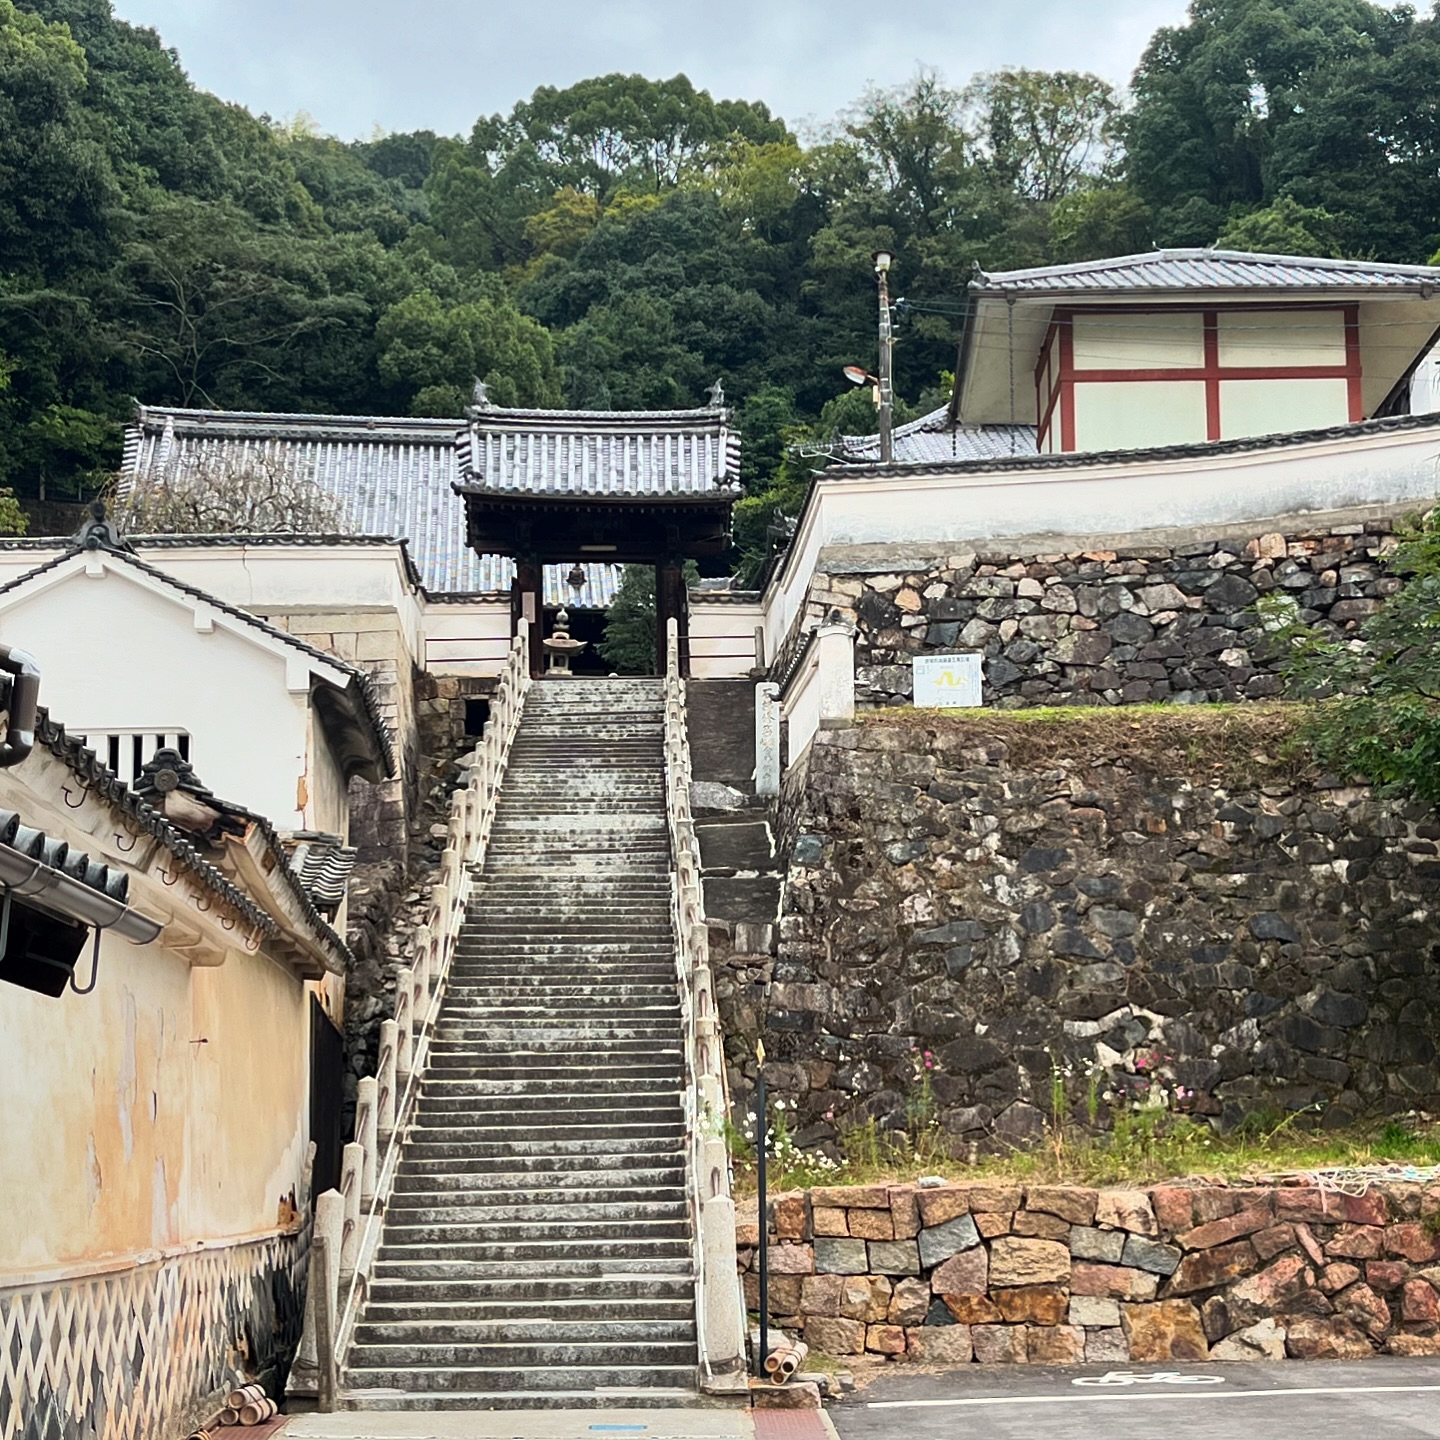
[437, 64]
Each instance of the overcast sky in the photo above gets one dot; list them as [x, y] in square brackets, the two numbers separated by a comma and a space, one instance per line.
[437, 64]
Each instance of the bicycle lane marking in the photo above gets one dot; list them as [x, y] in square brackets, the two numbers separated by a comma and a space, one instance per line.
[1150, 1397]
[1158, 1377]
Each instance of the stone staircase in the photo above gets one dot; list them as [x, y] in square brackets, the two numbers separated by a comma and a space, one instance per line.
[537, 1250]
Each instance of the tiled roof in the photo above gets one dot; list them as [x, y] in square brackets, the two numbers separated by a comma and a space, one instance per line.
[601, 452]
[929, 440]
[324, 866]
[392, 477]
[1172, 270]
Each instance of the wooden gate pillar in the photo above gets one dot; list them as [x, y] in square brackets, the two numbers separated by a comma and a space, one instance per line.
[527, 602]
[671, 602]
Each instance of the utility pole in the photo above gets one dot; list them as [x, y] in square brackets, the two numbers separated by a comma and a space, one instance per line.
[887, 346]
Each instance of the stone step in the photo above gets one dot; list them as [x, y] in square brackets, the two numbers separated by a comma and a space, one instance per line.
[451, 1129]
[578, 1270]
[520, 1355]
[558, 1251]
[508, 1375]
[477, 1191]
[593, 1084]
[545, 1170]
[400, 1233]
[502, 1307]
[422, 1147]
[624, 1396]
[406, 1216]
[559, 1331]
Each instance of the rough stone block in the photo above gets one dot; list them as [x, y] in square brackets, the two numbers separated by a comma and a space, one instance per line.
[1143, 1254]
[1418, 1305]
[846, 1197]
[1363, 1307]
[1115, 1281]
[1414, 1345]
[1017, 1261]
[909, 1304]
[792, 1260]
[992, 1223]
[785, 1292]
[1032, 1304]
[1274, 1241]
[1165, 1330]
[1209, 1269]
[797, 1395]
[1174, 1208]
[1055, 1345]
[999, 1344]
[791, 1212]
[829, 1221]
[1357, 1242]
[1040, 1225]
[1414, 1241]
[885, 1339]
[995, 1199]
[972, 1309]
[1094, 1312]
[1265, 1340]
[894, 1257]
[1087, 1243]
[1380, 1275]
[865, 1297]
[821, 1295]
[965, 1274]
[1270, 1291]
[905, 1212]
[938, 1243]
[1303, 1202]
[1315, 1337]
[1337, 1277]
[1069, 1202]
[1221, 1232]
[942, 1204]
[940, 1345]
[1125, 1210]
[1106, 1347]
[840, 1257]
[871, 1224]
[835, 1337]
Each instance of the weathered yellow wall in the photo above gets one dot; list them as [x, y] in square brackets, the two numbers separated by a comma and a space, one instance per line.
[169, 1106]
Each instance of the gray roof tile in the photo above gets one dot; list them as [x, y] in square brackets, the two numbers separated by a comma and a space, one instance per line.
[929, 440]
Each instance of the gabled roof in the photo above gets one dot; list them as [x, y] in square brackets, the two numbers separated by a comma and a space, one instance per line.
[931, 439]
[1180, 270]
[392, 476]
[609, 453]
[344, 695]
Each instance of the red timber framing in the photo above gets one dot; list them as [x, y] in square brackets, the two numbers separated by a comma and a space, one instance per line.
[1059, 345]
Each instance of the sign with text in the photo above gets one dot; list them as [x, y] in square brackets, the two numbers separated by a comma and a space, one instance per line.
[948, 681]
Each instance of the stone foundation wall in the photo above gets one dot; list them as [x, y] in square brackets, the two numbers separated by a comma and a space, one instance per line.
[1004, 1274]
[1085, 622]
[1153, 908]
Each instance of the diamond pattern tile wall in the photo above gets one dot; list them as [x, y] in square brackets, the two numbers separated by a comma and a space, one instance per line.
[139, 1354]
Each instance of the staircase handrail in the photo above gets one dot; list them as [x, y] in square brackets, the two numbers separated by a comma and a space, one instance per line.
[472, 816]
[719, 1301]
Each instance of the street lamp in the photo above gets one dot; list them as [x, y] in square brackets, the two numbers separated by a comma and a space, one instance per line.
[885, 386]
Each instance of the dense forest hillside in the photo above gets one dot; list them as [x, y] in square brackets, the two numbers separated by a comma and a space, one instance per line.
[626, 241]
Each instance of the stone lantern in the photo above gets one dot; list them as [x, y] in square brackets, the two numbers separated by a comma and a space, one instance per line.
[559, 648]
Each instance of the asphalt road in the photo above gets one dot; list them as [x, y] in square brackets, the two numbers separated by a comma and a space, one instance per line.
[1379, 1399]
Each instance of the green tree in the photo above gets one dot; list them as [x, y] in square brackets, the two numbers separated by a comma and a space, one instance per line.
[1284, 227]
[1375, 695]
[629, 643]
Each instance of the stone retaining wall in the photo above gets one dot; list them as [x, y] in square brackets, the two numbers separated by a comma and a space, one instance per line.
[1087, 622]
[1000, 1273]
[1173, 916]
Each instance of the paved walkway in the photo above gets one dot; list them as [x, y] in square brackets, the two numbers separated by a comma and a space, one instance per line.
[706, 1424]
[1381, 1399]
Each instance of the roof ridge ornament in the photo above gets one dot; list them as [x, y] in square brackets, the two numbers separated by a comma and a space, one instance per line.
[480, 397]
[716, 392]
[99, 532]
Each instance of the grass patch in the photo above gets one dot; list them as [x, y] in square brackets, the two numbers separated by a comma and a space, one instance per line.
[1253, 743]
[1142, 1149]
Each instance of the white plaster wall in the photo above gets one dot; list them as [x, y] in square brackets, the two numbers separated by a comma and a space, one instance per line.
[802, 709]
[327, 800]
[168, 1106]
[1129, 341]
[935, 510]
[1268, 337]
[1269, 407]
[1136, 414]
[722, 640]
[117, 656]
[467, 637]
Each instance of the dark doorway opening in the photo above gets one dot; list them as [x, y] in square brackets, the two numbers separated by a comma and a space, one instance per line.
[327, 1098]
[477, 712]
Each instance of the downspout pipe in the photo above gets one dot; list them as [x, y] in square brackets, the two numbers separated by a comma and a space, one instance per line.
[24, 701]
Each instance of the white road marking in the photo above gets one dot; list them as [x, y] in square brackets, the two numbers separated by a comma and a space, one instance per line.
[1150, 1397]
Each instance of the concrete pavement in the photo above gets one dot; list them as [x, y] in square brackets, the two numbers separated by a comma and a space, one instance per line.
[1381, 1399]
[698, 1424]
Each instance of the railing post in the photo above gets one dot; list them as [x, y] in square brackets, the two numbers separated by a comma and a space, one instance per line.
[326, 1298]
[352, 1179]
[325, 1236]
[367, 1127]
[385, 1114]
[404, 1022]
